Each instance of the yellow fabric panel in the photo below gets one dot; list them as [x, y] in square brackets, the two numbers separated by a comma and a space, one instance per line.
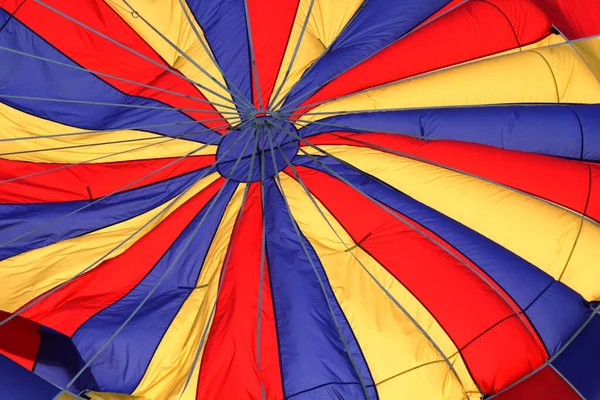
[30, 274]
[169, 368]
[538, 232]
[402, 361]
[326, 21]
[576, 83]
[168, 18]
[550, 40]
[521, 77]
[427, 381]
[172, 361]
[113, 396]
[67, 396]
[589, 49]
[17, 124]
[583, 269]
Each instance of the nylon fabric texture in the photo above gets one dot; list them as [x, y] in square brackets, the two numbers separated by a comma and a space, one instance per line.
[299, 199]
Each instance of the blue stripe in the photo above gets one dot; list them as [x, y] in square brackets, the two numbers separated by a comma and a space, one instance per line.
[378, 24]
[122, 365]
[25, 76]
[554, 309]
[579, 362]
[555, 130]
[58, 361]
[17, 383]
[224, 25]
[589, 117]
[20, 219]
[311, 352]
[4, 17]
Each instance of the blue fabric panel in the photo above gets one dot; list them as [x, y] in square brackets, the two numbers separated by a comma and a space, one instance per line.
[579, 362]
[122, 365]
[257, 143]
[334, 390]
[589, 116]
[58, 361]
[4, 18]
[17, 383]
[375, 26]
[311, 351]
[568, 310]
[556, 310]
[25, 76]
[546, 129]
[224, 26]
[19, 219]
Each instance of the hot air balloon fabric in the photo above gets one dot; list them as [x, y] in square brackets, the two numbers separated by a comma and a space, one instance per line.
[300, 199]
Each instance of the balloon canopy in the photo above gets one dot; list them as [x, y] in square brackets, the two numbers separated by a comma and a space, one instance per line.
[299, 199]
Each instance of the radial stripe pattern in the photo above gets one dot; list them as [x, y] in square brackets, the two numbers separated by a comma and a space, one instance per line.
[299, 199]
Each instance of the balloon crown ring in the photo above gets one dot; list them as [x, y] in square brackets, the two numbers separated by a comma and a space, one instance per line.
[261, 146]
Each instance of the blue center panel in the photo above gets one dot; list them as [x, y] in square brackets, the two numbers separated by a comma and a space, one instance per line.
[253, 139]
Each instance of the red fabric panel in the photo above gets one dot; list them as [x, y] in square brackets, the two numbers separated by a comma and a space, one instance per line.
[96, 53]
[475, 29]
[19, 340]
[496, 346]
[271, 23]
[593, 208]
[561, 181]
[68, 308]
[228, 369]
[575, 18]
[546, 385]
[452, 4]
[72, 183]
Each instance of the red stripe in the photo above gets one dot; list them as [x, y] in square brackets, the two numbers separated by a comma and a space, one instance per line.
[96, 53]
[561, 181]
[68, 308]
[229, 369]
[451, 5]
[496, 352]
[575, 18]
[546, 385]
[473, 30]
[86, 181]
[271, 23]
[19, 340]
[593, 208]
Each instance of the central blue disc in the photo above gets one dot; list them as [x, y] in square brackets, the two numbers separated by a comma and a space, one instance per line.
[254, 139]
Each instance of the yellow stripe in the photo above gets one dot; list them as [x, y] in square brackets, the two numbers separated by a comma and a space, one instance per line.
[538, 232]
[550, 40]
[326, 21]
[28, 275]
[17, 124]
[172, 361]
[589, 49]
[583, 271]
[113, 396]
[402, 361]
[168, 18]
[67, 396]
[520, 77]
